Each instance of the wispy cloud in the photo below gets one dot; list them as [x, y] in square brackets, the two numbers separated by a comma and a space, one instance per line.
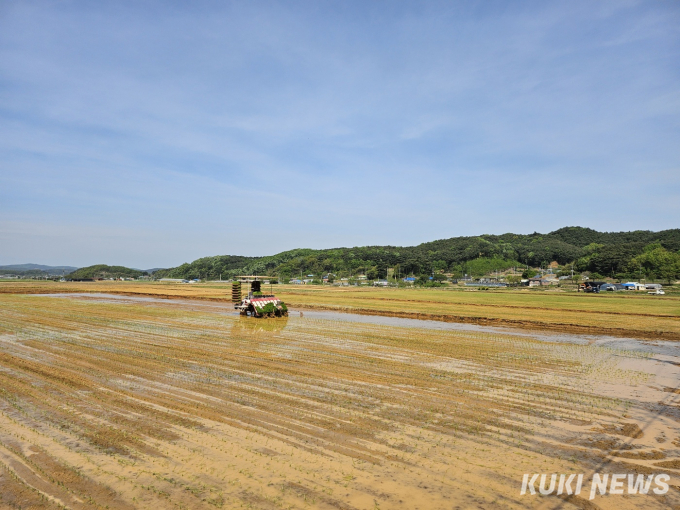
[318, 124]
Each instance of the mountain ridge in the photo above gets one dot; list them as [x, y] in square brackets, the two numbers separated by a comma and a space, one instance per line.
[587, 249]
[32, 269]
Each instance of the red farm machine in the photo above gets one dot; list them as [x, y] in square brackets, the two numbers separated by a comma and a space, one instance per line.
[256, 303]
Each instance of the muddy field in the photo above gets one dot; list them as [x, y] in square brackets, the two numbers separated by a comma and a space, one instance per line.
[123, 403]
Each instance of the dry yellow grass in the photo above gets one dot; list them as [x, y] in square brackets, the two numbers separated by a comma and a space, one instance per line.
[168, 290]
[179, 405]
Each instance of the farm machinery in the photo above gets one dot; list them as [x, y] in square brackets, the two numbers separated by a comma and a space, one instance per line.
[256, 303]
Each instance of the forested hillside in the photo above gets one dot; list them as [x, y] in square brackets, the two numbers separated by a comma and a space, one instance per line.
[604, 253]
[104, 271]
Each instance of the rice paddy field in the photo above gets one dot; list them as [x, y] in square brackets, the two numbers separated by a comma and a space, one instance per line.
[137, 402]
[622, 313]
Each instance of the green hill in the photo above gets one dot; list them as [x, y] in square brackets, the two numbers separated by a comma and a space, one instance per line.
[606, 253]
[104, 271]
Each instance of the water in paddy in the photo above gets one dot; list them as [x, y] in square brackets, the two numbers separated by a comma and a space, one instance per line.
[665, 347]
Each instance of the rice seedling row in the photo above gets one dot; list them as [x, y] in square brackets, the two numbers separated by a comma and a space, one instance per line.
[158, 405]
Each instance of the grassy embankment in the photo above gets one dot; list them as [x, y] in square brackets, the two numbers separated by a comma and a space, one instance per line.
[624, 314]
[178, 406]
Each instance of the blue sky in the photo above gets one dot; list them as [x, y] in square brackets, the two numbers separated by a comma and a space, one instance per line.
[153, 133]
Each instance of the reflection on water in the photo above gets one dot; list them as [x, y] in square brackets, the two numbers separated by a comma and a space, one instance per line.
[656, 346]
[248, 325]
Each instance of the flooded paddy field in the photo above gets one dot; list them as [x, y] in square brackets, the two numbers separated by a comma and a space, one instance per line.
[118, 402]
[622, 314]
